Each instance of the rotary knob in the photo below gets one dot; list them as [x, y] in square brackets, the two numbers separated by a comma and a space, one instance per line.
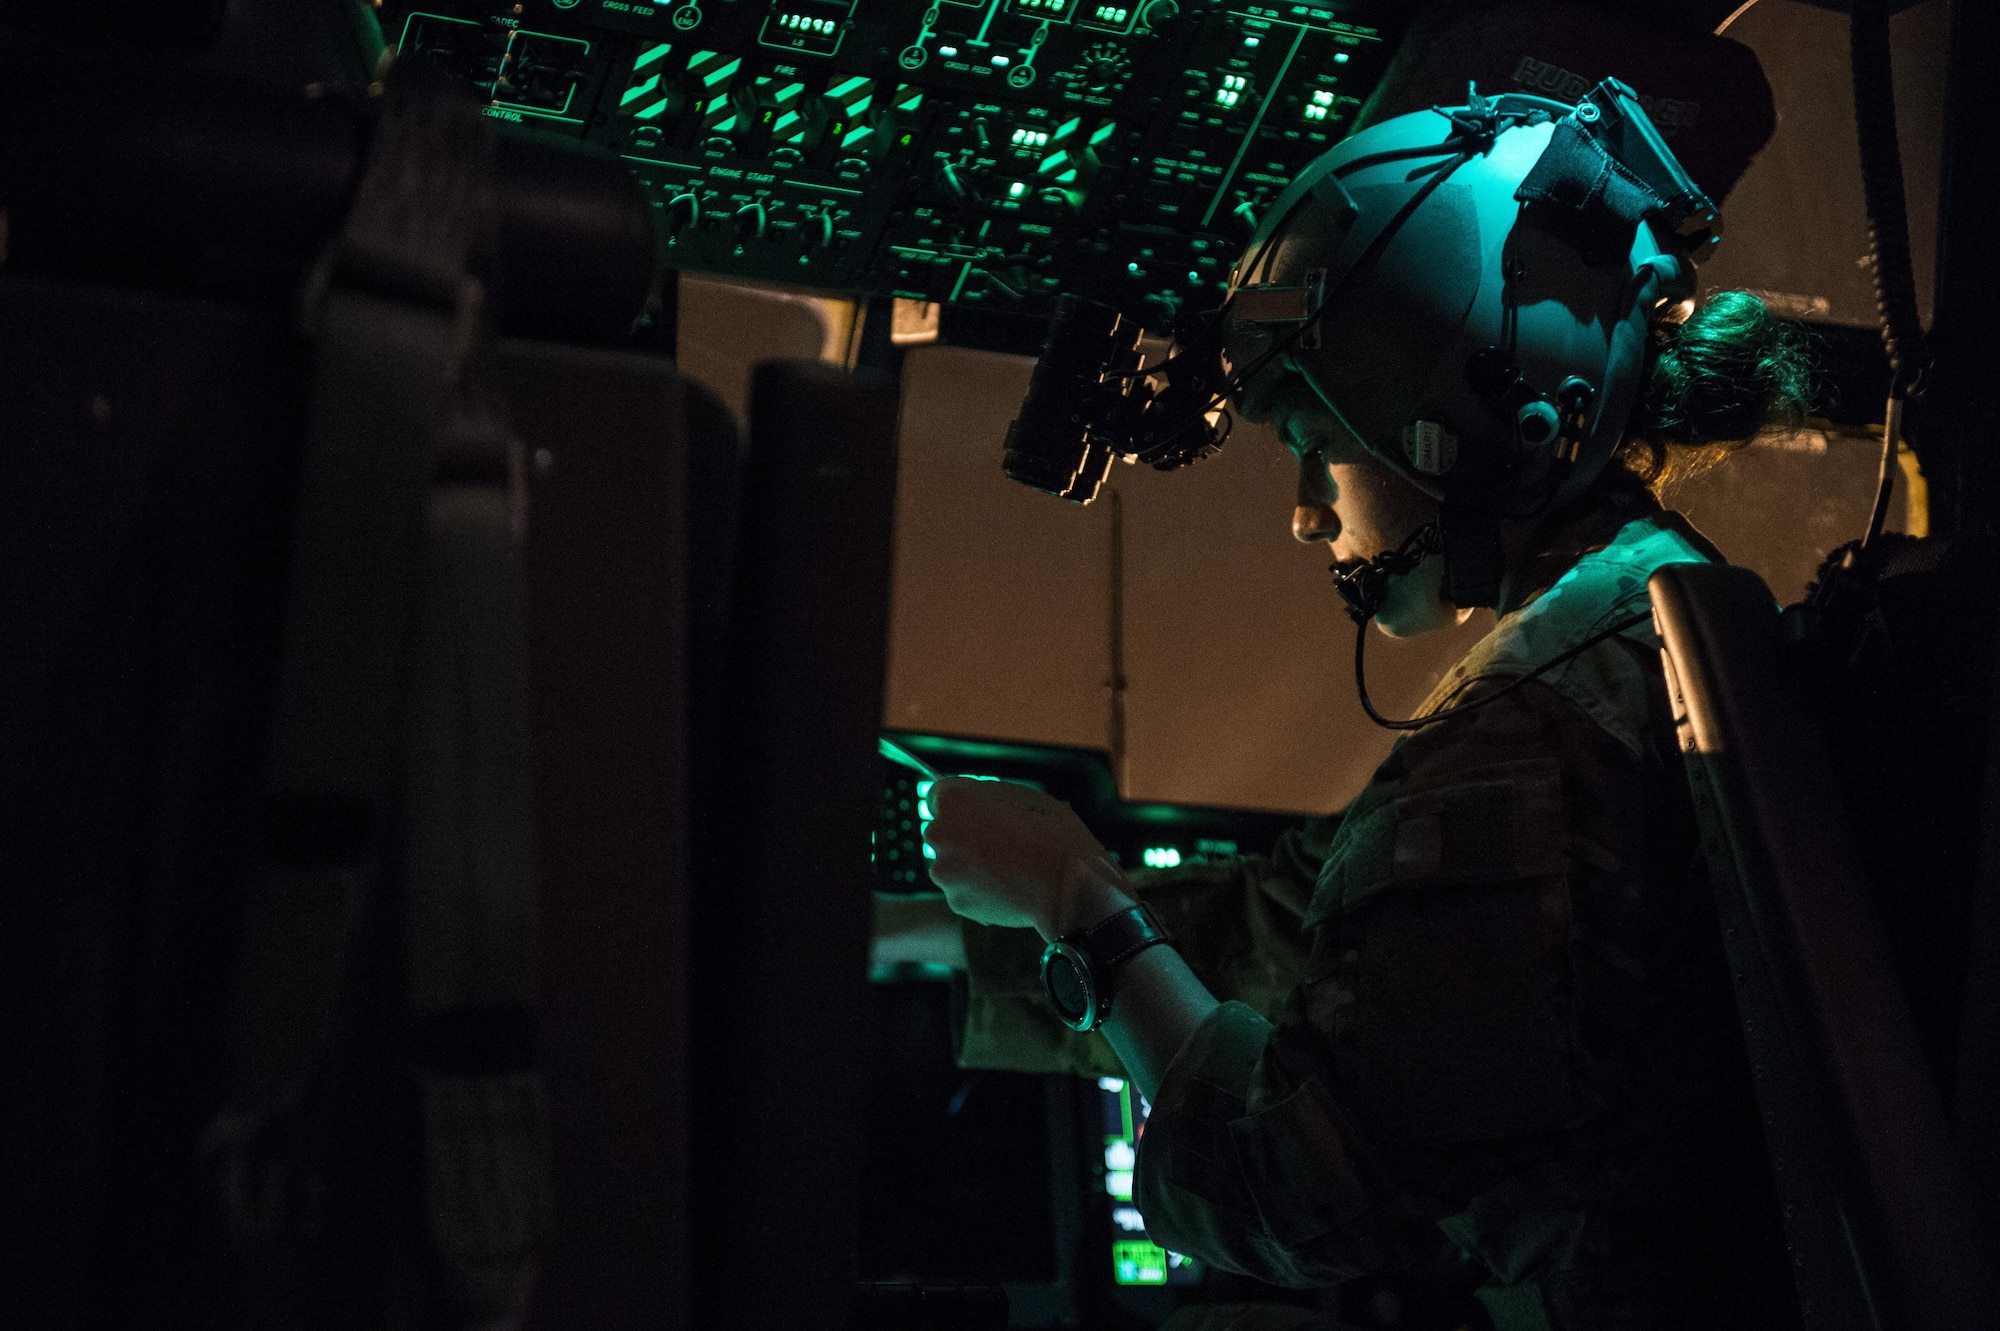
[1103, 67]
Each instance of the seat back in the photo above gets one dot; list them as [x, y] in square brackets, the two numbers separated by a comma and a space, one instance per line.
[1878, 1214]
[634, 467]
[787, 804]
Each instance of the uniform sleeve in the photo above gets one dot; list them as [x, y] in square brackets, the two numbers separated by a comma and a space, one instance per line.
[1237, 921]
[1431, 1050]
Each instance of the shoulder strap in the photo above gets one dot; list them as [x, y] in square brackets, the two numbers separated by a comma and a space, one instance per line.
[396, 313]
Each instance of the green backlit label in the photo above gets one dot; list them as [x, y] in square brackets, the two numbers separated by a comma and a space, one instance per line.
[1138, 1262]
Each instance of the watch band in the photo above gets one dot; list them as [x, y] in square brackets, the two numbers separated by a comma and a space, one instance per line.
[1122, 935]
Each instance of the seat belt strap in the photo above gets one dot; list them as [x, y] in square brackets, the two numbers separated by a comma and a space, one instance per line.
[396, 315]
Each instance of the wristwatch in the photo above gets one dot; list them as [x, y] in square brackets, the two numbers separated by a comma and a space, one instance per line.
[1080, 969]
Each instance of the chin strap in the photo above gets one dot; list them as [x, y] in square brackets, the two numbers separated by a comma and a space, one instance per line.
[1364, 583]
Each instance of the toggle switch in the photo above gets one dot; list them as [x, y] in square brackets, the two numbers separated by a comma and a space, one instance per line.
[683, 211]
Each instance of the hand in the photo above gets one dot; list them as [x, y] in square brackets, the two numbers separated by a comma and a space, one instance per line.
[1008, 855]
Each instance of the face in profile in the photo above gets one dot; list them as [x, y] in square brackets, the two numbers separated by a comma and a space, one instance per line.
[1348, 499]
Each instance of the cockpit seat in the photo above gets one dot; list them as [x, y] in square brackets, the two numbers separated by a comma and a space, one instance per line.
[1879, 1214]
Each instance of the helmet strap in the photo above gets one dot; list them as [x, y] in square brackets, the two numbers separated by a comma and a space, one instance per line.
[1364, 583]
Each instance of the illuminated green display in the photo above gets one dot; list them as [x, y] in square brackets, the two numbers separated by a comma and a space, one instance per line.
[805, 23]
[1135, 1259]
[1320, 106]
[1138, 1262]
[1233, 88]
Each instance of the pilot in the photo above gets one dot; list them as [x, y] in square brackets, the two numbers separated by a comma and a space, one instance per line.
[1479, 1024]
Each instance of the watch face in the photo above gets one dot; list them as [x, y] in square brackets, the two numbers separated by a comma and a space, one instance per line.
[1066, 977]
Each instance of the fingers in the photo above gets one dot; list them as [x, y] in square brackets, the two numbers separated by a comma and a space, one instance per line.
[988, 824]
[957, 791]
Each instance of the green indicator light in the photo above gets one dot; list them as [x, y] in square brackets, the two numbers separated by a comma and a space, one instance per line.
[1016, 190]
[1133, 268]
[1159, 857]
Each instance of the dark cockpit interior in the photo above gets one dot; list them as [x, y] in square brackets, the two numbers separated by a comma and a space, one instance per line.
[509, 508]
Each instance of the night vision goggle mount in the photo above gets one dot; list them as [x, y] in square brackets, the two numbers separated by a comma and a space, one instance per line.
[1092, 401]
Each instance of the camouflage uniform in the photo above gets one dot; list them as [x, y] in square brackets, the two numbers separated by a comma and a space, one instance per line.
[1487, 1008]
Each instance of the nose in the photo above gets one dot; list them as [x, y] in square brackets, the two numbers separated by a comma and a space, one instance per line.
[1315, 522]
